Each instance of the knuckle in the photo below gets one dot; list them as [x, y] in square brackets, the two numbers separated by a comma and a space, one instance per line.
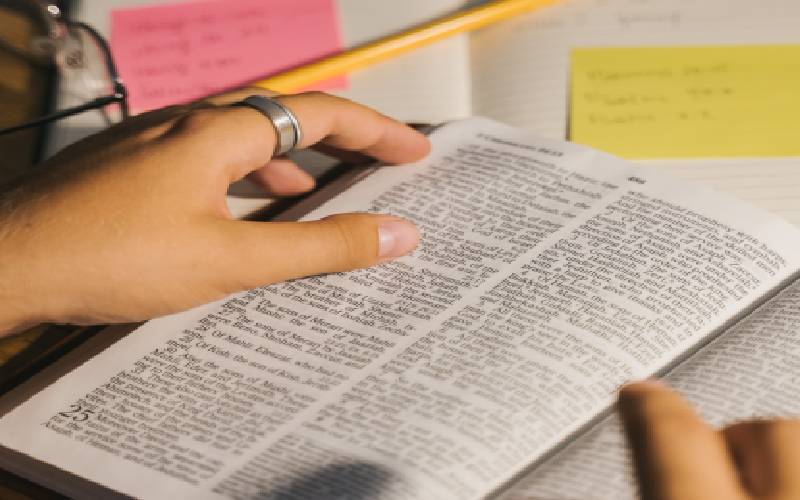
[199, 117]
[352, 246]
[154, 124]
[313, 94]
[203, 117]
[201, 124]
[191, 121]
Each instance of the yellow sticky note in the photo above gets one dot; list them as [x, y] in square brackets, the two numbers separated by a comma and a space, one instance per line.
[684, 102]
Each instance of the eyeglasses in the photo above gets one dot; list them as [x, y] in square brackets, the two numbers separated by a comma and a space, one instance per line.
[87, 76]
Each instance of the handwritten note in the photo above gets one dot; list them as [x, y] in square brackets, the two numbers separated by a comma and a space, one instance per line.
[178, 52]
[679, 102]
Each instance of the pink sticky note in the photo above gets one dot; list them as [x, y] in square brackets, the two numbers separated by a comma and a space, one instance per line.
[173, 53]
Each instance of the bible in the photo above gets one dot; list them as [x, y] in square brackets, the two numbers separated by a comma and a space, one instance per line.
[483, 365]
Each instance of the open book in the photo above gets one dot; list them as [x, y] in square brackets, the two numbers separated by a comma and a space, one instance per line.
[482, 365]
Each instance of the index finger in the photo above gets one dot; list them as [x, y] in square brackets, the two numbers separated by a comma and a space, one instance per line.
[241, 139]
[677, 455]
[344, 124]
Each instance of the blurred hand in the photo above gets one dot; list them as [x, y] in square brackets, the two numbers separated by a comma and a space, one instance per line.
[132, 223]
[679, 457]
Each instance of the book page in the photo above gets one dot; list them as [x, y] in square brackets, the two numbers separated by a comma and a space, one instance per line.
[548, 274]
[749, 372]
[771, 184]
[520, 72]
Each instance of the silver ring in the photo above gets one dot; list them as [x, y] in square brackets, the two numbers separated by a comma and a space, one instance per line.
[287, 129]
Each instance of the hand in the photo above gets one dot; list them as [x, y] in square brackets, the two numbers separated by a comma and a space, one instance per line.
[679, 457]
[132, 223]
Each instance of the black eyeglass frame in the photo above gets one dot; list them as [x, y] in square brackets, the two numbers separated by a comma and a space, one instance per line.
[119, 94]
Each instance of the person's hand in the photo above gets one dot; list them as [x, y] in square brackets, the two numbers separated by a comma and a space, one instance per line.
[132, 223]
[679, 457]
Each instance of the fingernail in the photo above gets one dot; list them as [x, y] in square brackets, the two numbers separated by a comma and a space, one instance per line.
[396, 237]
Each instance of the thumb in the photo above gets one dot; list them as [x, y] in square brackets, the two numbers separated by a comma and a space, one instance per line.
[261, 253]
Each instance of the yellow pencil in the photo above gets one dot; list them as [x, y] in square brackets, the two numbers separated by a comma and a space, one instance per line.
[394, 45]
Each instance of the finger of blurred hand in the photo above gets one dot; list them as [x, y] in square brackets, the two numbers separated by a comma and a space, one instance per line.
[768, 456]
[259, 254]
[677, 455]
